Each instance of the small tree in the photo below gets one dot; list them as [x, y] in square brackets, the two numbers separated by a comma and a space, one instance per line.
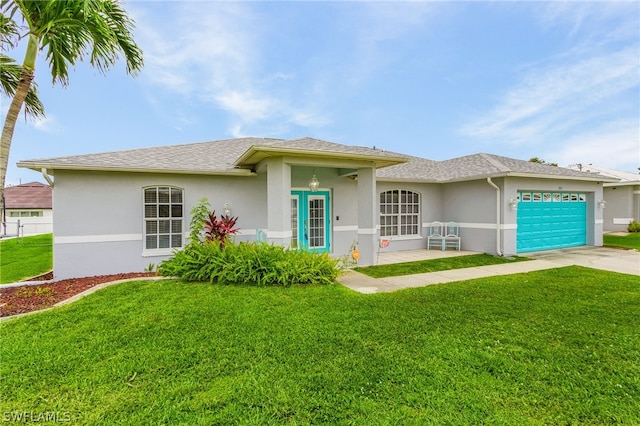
[199, 215]
[541, 161]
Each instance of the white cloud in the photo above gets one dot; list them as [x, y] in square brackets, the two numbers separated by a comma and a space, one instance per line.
[219, 56]
[247, 105]
[47, 124]
[212, 53]
[550, 97]
[615, 145]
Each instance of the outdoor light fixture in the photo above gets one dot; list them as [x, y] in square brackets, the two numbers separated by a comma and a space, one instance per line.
[314, 184]
[602, 203]
[227, 209]
[513, 203]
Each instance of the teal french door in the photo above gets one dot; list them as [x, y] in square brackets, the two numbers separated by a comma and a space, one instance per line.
[310, 217]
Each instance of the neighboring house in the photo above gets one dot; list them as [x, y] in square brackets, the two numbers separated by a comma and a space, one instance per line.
[29, 207]
[622, 198]
[121, 211]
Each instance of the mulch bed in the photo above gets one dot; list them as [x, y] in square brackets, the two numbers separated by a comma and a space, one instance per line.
[27, 298]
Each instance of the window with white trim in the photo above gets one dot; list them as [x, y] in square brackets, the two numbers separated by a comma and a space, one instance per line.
[163, 217]
[399, 213]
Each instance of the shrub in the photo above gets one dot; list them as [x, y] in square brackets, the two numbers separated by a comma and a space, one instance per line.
[219, 229]
[254, 263]
[634, 226]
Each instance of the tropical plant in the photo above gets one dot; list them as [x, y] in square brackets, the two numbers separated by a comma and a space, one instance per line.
[199, 214]
[250, 263]
[219, 229]
[69, 31]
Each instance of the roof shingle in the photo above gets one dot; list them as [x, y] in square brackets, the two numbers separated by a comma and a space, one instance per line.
[220, 156]
[32, 195]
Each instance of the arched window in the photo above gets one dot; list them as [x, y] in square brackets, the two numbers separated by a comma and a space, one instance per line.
[399, 213]
[163, 217]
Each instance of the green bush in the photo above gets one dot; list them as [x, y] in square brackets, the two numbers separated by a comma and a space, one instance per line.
[254, 263]
[634, 226]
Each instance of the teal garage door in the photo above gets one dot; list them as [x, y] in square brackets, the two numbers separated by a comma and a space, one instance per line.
[551, 220]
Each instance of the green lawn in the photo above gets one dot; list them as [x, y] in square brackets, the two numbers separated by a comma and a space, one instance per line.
[433, 265]
[550, 347]
[25, 257]
[631, 241]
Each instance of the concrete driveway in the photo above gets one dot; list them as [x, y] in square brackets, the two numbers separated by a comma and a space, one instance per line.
[608, 259]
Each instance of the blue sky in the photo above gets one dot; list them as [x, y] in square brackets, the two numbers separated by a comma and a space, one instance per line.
[554, 80]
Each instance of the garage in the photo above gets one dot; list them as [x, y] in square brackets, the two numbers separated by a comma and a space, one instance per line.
[551, 220]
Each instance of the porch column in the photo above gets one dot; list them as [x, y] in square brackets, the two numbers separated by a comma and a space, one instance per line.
[367, 216]
[278, 202]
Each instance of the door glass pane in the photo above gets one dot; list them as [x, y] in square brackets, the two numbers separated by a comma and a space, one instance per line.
[294, 222]
[316, 223]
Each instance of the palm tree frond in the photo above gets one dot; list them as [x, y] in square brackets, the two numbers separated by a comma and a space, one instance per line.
[71, 30]
[10, 73]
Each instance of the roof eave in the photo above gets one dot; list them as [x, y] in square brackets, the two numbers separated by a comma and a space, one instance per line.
[623, 183]
[548, 176]
[52, 167]
[529, 176]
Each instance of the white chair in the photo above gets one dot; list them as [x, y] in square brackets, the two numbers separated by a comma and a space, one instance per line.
[451, 236]
[435, 235]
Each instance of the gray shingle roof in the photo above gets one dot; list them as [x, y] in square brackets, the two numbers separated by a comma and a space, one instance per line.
[476, 166]
[203, 157]
[220, 156]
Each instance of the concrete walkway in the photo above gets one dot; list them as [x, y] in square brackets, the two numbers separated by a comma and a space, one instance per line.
[623, 261]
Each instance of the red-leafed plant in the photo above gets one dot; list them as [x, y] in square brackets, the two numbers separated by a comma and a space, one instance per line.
[219, 229]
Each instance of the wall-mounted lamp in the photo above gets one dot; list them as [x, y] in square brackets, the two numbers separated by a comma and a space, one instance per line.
[513, 203]
[314, 184]
[602, 203]
[227, 209]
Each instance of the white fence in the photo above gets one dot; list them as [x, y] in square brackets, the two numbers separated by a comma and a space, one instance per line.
[26, 226]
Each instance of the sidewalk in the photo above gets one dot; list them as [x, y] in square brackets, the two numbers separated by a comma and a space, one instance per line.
[623, 261]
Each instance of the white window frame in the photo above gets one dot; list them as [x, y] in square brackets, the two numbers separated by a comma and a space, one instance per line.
[400, 213]
[173, 216]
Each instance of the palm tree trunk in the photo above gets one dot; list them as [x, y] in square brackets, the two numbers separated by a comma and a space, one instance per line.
[26, 77]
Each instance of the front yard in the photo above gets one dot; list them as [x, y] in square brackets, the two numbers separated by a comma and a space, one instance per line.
[629, 241]
[551, 347]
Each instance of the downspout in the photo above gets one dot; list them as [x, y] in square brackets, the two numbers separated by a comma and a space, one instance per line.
[497, 188]
[47, 177]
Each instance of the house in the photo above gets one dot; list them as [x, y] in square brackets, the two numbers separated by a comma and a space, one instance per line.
[121, 211]
[622, 198]
[28, 209]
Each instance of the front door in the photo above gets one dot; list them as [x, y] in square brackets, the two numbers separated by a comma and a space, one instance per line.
[310, 216]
